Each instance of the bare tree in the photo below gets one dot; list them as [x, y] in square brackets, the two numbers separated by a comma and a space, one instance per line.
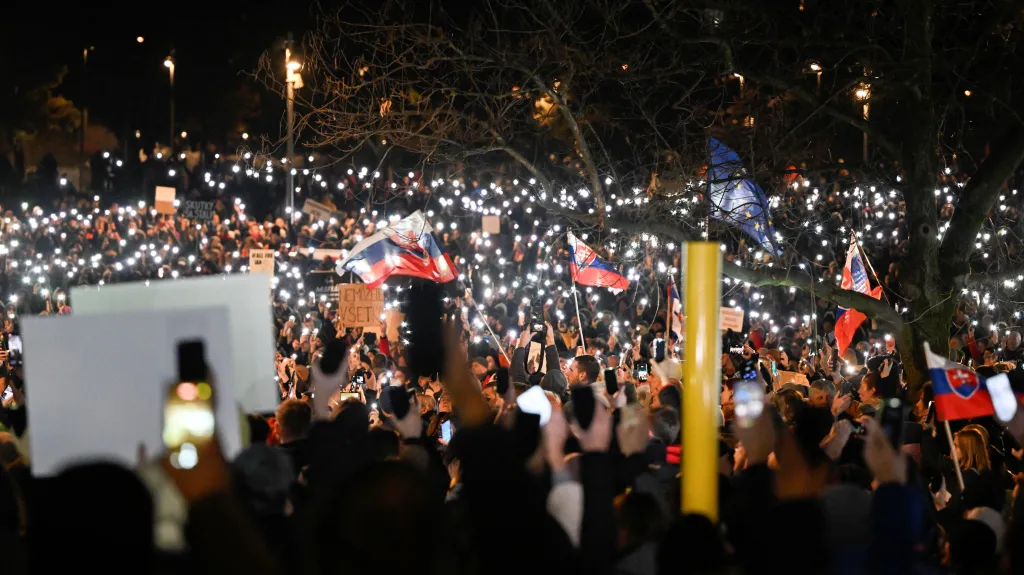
[881, 109]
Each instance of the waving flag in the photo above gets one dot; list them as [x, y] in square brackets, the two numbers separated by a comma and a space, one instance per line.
[589, 270]
[855, 278]
[406, 248]
[735, 196]
[959, 392]
[675, 310]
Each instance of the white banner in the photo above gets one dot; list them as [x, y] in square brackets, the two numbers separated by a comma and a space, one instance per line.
[317, 210]
[261, 261]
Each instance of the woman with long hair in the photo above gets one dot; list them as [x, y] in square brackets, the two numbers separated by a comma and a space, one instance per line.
[981, 484]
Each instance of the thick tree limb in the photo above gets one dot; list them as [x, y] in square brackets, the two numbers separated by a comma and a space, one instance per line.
[980, 194]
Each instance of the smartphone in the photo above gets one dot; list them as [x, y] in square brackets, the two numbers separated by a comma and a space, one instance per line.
[14, 350]
[189, 410]
[8, 392]
[659, 350]
[642, 372]
[748, 401]
[1003, 398]
[447, 431]
[395, 400]
[347, 395]
[749, 369]
[535, 401]
[611, 381]
[893, 419]
[775, 369]
[736, 350]
[501, 379]
[583, 405]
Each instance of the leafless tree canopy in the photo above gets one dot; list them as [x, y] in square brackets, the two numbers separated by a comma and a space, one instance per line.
[608, 106]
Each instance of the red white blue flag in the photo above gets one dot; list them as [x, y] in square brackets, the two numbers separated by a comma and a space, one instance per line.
[959, 392]
[855, 278]
[406, 248]
[675, 309]
[589, 270]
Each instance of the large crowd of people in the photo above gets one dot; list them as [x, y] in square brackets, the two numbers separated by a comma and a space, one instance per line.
[466, 478]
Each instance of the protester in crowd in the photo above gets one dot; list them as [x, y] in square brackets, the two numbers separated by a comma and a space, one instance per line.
[463, 478]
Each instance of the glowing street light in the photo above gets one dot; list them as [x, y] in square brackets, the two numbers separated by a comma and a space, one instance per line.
[863, 94]
[169, 64]
[140, 39]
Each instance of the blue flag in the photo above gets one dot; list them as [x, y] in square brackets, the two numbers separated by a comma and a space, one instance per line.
[735, 196]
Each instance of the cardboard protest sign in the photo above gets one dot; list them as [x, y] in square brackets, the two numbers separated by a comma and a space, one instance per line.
[359, 306]
[249, 322]
[164, 203]
[317, 210]
[105, 396]
[321, 254]
[730, 318]
[785, 377]
[492, 225]
[197, 210]
[261, 261]
[323, 284]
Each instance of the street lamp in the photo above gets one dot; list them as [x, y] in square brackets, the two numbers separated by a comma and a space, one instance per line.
[292, 80]
[863, 94]
[816, 68]
[169, 64]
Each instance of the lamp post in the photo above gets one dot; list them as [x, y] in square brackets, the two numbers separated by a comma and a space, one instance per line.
[169, 64]
[816, 68]
[293, 80]
[863, 94]
[85, 115]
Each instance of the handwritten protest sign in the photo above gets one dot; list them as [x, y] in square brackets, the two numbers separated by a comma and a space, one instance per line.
[730, 318]
[165, 200]
[317, 210]
[324, 284]
[359, 306]
[320, 254]
[785, 377]
[492, 225]
[261, 261]
[197, 210]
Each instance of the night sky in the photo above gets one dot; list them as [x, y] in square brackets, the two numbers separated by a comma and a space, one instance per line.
[126, 85]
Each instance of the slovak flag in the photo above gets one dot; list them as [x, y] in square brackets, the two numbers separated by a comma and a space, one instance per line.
[855, 278]
[406, 248]
[589, 270]
[959, 392]
[675, 310]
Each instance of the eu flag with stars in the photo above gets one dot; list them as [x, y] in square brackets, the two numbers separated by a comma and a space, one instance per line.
[735, 196]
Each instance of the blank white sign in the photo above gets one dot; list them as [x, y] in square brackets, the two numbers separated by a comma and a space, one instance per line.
[250, 323]
[96, 384]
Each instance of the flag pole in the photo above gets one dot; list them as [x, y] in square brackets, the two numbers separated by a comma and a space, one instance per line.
[583, 340]
[867, 261]
[479, 309]
[956, 460]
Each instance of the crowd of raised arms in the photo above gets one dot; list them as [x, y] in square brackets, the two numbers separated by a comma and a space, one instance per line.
[503, 427]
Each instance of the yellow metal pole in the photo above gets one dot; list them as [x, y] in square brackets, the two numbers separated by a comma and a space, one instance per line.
[701, 380]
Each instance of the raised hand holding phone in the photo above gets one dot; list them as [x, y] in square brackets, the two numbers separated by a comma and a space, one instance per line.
[193, 460]
[596, 437]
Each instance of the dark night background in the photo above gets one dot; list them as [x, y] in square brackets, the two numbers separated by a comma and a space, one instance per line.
[125, 86]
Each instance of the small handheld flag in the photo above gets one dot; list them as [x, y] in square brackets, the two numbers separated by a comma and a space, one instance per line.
[959, 392]
[675, 310]
[406, 248]
[855, 278]
[589, 270]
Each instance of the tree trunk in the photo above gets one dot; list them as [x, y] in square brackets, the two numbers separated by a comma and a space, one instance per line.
[929, 323]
